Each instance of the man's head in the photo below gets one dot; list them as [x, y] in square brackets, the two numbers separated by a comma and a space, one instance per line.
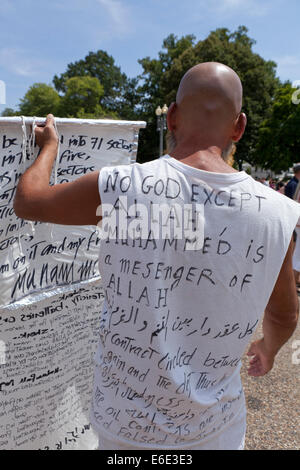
[296, 169]
[207, 112]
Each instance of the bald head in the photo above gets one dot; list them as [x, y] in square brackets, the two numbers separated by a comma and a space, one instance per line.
[209, 87]
[208, 103]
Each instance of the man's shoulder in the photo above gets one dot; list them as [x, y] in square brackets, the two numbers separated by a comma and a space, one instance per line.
[153, 166]
[292, 182]
[150, 164]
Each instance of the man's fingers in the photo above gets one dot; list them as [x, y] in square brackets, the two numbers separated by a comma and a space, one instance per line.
[251, 351]
[256, 370]
[254, 360]
[49, 120]
[38, 130]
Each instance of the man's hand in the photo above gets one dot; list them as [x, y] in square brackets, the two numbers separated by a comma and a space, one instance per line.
[262, 361]
[73, 203]
[45, 134]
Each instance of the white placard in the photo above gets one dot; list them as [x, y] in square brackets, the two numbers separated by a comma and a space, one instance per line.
[50, 291]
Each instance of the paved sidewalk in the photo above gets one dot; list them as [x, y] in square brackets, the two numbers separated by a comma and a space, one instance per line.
[273, 402]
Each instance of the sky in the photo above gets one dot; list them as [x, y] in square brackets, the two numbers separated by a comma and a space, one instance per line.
[39, 39]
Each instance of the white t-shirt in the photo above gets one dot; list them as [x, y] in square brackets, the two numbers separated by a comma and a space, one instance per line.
[182, 301]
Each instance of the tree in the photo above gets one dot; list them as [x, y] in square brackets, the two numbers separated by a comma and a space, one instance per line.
[129, 105]
[153, 93]
[162, 76]
[9, 112]
[278, 145]
[118, 97]
[40, 100]
[82, 97]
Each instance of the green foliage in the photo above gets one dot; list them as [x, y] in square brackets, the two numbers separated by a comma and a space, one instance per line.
[81, 98]
[162, 76]
[118, 97]
[40, 100]
[279, 139]
[9, 112]
[155, 90]
[95, 87]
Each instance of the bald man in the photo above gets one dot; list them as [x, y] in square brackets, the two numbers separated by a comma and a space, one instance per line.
[204, 253]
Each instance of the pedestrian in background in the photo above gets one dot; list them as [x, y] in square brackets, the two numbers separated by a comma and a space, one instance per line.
[296, 254]
[291, 186]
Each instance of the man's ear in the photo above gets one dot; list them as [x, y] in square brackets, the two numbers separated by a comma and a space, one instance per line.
[239, 128]
[171, 117]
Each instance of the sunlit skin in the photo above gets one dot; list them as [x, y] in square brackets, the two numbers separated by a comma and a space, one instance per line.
[206, 117]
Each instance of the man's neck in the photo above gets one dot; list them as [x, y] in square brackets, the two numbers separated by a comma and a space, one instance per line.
[209, 160]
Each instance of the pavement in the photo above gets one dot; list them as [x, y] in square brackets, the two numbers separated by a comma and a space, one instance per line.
[273, 401]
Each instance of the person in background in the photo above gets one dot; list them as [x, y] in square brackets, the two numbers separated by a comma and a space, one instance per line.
[265, 182]
[296, 254]
[272, 184]
[290, 190]
[280, 187]
[291, 186]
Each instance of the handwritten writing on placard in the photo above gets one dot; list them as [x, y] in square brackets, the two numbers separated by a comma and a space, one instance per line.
[35, 256]
[48, 319]
[46, 379]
